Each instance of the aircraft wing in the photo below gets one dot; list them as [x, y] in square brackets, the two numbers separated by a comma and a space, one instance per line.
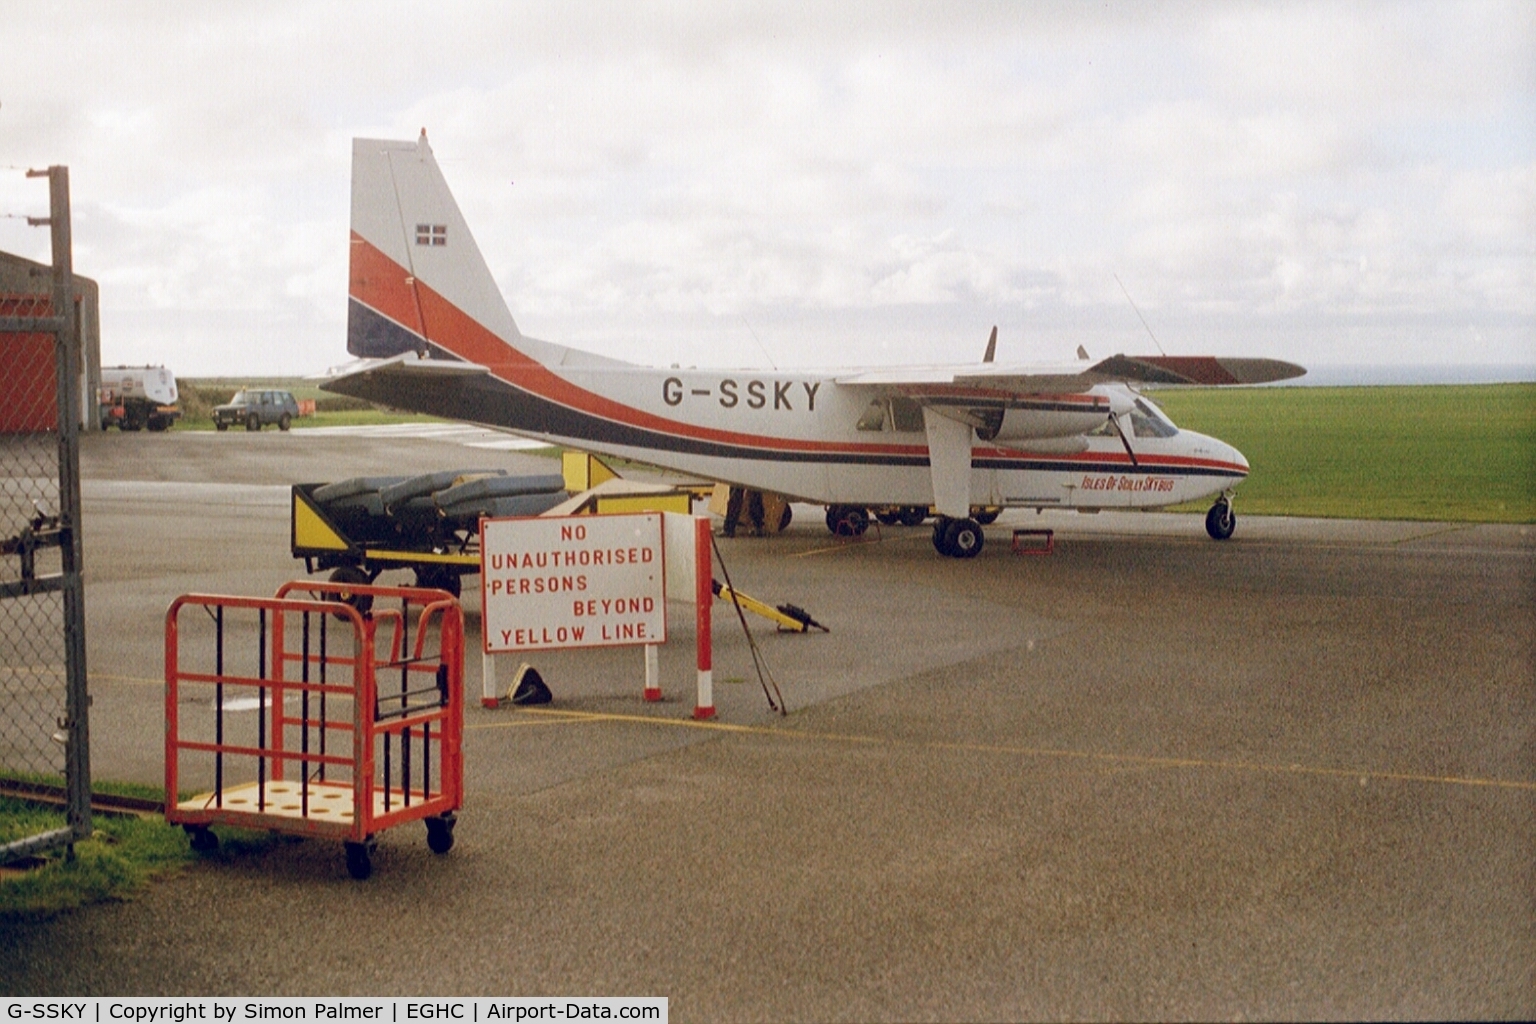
[1070, 378]
[959, 400]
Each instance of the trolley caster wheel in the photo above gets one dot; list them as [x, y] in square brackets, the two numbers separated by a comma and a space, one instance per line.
[360, 860]
[202, 839]
[440, 833]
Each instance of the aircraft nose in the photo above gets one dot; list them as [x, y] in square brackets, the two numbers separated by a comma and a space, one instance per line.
[1238, 458]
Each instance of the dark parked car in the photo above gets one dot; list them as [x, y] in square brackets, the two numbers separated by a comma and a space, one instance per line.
[256, 409]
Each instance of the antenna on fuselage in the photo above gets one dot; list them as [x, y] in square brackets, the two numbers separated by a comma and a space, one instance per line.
[991, 346]
[760, 344]
[1140, 317]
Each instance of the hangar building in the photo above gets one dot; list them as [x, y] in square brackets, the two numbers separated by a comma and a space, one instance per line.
[27, 401]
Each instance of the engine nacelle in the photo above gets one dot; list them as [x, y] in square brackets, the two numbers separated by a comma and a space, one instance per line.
[1048, 445]
[1037, 420]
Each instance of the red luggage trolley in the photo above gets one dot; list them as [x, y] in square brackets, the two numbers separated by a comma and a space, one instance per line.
[328, 718]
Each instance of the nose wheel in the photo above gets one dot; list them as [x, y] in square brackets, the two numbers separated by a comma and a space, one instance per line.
[1220, 521]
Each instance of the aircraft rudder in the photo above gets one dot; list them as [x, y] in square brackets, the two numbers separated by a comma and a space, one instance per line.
[417, 279]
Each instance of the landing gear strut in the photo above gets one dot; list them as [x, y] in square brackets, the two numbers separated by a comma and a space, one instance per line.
[1220, 521]
[958, 538]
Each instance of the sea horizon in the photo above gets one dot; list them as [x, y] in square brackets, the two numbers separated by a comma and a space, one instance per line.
[1378, 374]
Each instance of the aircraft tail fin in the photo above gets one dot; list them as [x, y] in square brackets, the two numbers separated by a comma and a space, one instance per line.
[417, 280]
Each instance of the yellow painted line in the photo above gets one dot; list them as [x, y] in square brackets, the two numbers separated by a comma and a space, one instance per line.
[840, 546]
[1134, 760]
[106, 677]
[1452, 528]
[523, 724]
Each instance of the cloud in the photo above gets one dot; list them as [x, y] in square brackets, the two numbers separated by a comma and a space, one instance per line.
[644, 175]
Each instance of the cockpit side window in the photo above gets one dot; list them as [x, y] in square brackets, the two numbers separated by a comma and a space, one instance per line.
[1148, 421]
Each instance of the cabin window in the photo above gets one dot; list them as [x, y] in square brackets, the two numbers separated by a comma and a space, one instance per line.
[874, 416]
[900, 414]
[906, 414]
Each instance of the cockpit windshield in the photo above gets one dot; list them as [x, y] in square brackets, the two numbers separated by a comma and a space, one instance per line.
[1147, 420]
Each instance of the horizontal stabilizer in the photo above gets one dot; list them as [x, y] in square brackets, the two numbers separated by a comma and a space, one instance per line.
[361, 378]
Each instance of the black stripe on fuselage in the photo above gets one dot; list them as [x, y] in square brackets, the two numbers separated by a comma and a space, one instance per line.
[1047, 465]
[497, 403]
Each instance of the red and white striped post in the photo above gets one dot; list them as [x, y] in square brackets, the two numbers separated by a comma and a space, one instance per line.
[703, 600]
[652, 673]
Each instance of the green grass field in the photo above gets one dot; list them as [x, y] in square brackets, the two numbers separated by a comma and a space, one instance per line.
[124, 854]
[1456, 453]
[200, 395]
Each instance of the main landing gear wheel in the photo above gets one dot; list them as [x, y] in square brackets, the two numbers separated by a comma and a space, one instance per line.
[1220, 521]
[889, 516]
[847, 520]
[912, 515]
[987, 516]
[958, 538]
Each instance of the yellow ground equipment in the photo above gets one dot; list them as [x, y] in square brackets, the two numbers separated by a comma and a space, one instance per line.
[788, 617]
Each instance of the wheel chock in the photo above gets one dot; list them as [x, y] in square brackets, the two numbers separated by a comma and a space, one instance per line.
[528, 687]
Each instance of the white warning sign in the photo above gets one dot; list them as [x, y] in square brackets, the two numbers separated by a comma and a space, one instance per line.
[577, 581]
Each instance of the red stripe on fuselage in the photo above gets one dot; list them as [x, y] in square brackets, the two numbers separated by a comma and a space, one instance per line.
[385, 288]
[382, 284]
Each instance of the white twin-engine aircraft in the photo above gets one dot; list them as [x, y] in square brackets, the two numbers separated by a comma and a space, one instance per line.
[433, 334]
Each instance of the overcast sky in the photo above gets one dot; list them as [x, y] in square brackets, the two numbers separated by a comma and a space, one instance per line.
[812, 184]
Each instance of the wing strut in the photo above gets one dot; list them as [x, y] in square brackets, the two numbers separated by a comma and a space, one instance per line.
[949, 460]
[1119, 430]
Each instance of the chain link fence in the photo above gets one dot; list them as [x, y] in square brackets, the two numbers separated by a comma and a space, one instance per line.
[43, 734]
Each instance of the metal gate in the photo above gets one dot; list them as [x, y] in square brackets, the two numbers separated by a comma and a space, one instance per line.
[44, 737]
